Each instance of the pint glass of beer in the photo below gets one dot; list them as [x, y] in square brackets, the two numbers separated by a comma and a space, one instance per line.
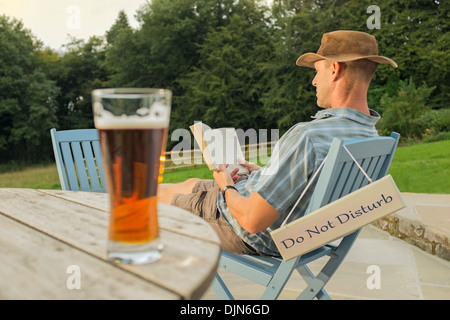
[133, 125]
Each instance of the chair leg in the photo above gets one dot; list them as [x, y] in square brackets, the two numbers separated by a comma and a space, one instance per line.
[221, 289]
[279, 279]
[317, 284]
[308, 276]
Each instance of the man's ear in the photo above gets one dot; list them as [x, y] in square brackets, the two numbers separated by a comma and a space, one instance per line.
[336, 69]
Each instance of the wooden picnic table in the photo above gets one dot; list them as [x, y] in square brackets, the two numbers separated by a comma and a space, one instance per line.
[53, 246]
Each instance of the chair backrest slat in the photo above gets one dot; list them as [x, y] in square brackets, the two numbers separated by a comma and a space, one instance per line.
[67, 163]
[98, 156]
[80, 166]
[90, 164]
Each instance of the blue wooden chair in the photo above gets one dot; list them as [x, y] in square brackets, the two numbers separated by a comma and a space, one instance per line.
[79, 159]
[339, 177]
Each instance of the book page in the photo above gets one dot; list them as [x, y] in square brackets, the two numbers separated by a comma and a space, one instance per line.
[219, 146]
[198, 130]
[226, 149]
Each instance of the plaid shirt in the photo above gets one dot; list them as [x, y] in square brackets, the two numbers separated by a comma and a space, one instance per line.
[295, 158]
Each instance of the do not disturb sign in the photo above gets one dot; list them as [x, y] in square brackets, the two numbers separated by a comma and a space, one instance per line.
[338, 218]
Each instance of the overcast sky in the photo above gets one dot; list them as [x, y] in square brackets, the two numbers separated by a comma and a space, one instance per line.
[53, 20]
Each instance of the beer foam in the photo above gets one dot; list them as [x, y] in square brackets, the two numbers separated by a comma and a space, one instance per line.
[157, 117]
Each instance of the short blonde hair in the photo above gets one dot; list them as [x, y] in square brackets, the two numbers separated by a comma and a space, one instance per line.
[363, 69]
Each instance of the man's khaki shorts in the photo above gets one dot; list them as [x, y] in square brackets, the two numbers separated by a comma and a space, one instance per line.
[203, 203]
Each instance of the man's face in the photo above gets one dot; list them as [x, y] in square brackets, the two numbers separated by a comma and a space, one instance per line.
[322, 83]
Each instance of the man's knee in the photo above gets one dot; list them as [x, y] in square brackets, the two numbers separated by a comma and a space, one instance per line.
[192, 181]
[189, 184]
[170, 189]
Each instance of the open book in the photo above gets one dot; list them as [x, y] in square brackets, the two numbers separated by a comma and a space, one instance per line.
[219, 146]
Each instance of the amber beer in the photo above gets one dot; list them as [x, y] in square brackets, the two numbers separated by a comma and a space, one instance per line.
[133, 126]
[133, 172]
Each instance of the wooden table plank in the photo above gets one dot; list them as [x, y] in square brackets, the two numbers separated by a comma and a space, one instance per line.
[187, 264]
[173, 219]
[36, 266]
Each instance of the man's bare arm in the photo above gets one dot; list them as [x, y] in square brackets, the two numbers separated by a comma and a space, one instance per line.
[254, 214]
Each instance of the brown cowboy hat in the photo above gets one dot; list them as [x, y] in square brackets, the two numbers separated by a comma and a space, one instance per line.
[344, 46]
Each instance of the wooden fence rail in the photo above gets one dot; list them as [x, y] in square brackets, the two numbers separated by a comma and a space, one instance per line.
[191, 158]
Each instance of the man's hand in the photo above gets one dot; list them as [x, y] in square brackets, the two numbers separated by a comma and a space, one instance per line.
[250, 166]
[254, 214]
[223, 177]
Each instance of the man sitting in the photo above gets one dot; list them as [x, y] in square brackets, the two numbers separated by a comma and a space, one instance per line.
[243, 211]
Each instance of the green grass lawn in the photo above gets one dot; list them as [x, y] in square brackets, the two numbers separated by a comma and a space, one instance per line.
[36, 177]
[177, 175]
[419, 168]
[422, 168]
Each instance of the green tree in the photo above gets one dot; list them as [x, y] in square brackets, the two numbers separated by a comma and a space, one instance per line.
[119, 25]
[402, 110]
[123, 55]
[77, 72]
[171, 32]
[162, 49]
[27, 96]
[297, 28]
[225, 89]
[167, 46]
[415, 33]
